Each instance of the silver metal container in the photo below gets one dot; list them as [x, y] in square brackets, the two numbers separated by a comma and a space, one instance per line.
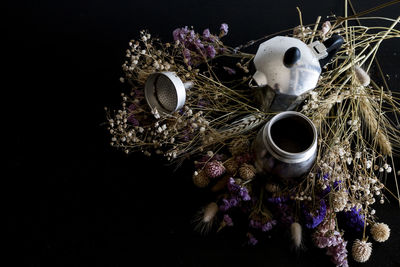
[287, 68]
[286, 147]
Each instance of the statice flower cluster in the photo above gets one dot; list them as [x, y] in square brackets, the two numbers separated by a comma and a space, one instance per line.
[262, 225]
[239, 191]
[314, 217]
[282, 210]
[251, 239]
[353, 219]
[237, 194]
[327, 237]
[198, 48]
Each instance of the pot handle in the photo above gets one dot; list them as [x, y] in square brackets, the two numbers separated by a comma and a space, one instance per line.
[332, 45]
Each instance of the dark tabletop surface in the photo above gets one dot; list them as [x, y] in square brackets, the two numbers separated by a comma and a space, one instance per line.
[70, 199]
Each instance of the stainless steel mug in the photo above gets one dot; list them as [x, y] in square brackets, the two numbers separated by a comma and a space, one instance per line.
[286, 147]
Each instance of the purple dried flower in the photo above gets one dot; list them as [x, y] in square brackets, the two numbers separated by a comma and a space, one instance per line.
[192, 35]
[133, 120]
[233, 202]
[214, 169]
[211, 51]
[224, 29]
[338, 254]
[326, 237]
[244, 194]
[237, 190]
[252, 240]
[138, 93]
[175, 34]
[180, 33]
[225, 206]
[228, 220]
[230, 71]
[266, 227]
[186, 55]
[199, 45]
[132, 107]
[206, 33]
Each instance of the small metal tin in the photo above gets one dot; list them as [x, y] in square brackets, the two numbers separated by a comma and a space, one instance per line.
[286, 147]
[166, 92]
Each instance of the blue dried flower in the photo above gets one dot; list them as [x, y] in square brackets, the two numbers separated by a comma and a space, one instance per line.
[313, 219]
[354, 219]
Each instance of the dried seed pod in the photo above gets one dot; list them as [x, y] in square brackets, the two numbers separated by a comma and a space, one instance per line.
[231, 166]
[247, 171]
[201, 180]
[239, 146]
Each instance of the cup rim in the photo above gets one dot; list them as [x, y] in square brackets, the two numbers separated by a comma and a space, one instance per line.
[283, 155]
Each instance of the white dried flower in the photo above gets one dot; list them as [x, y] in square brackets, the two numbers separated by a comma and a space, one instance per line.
[339, 200]
[385, 166]
[326, 26]
[368, 164]
[361, 250]
[380, 232]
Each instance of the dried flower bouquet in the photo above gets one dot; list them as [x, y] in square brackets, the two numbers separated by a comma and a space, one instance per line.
[357, 122]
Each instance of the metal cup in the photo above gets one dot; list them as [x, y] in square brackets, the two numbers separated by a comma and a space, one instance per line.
[286, 147]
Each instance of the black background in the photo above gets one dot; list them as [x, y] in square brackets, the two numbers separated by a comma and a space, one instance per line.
[70, 199]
